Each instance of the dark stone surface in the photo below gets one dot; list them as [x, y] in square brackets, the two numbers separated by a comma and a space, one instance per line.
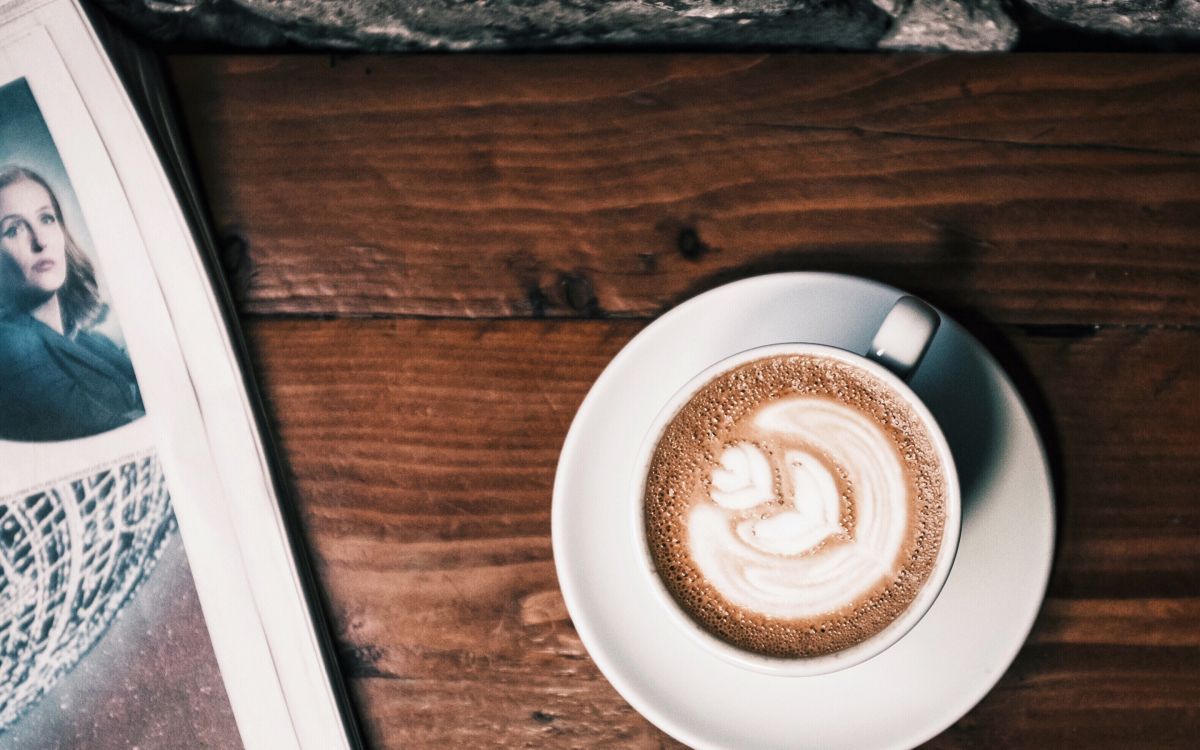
[379, 25]
[1136, 19]
[951, 25]
[495, 25]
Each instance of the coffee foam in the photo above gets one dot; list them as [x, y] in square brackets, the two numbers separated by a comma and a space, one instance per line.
[795, 505]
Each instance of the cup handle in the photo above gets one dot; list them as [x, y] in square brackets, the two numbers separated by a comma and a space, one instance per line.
[904, 336]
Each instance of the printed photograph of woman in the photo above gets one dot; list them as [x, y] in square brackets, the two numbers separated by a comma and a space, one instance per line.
[59, 378]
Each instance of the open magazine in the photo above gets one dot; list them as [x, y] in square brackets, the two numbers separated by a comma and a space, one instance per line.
[150, 591]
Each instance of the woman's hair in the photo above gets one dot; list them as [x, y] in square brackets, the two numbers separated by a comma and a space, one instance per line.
[79, 296]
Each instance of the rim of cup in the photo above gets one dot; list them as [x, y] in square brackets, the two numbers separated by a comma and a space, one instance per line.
[863, 650]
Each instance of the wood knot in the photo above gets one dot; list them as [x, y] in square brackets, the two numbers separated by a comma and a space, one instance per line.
[536, 299]
[362, 660]
[690, 245]
[543, 607]
[578, 293]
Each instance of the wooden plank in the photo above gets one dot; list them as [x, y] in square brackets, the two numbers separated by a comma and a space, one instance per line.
[1087, 696]
[570, 711]
[1033, 189]
[423, 454]
[1135, 622]
[1077, 697]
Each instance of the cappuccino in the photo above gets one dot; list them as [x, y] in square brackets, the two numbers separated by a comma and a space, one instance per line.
[795, 505]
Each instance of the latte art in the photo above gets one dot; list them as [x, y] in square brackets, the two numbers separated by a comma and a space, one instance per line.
[795, 506]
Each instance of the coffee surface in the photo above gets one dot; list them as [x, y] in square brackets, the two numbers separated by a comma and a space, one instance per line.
[795, 506]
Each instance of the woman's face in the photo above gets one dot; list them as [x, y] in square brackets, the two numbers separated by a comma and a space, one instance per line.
[32, 240]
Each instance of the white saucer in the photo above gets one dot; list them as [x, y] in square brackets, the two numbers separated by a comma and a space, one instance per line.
[902, 697]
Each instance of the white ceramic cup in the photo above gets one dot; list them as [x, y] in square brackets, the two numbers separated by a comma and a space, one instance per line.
[896, 350]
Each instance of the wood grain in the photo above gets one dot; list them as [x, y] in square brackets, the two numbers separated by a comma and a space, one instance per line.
[1029, 189]
[437, 255]
[423, 454]
[1086, 696]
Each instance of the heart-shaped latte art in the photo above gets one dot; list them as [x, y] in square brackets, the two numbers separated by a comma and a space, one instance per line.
[744, 479]
[812, 516]
[797, 558]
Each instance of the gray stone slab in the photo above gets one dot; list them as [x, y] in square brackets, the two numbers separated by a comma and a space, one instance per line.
[504, 25]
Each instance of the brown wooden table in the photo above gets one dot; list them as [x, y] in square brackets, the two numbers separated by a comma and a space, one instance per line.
[434, 256]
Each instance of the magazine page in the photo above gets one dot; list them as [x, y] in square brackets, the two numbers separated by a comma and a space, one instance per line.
[102, 640]
[138, 521]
